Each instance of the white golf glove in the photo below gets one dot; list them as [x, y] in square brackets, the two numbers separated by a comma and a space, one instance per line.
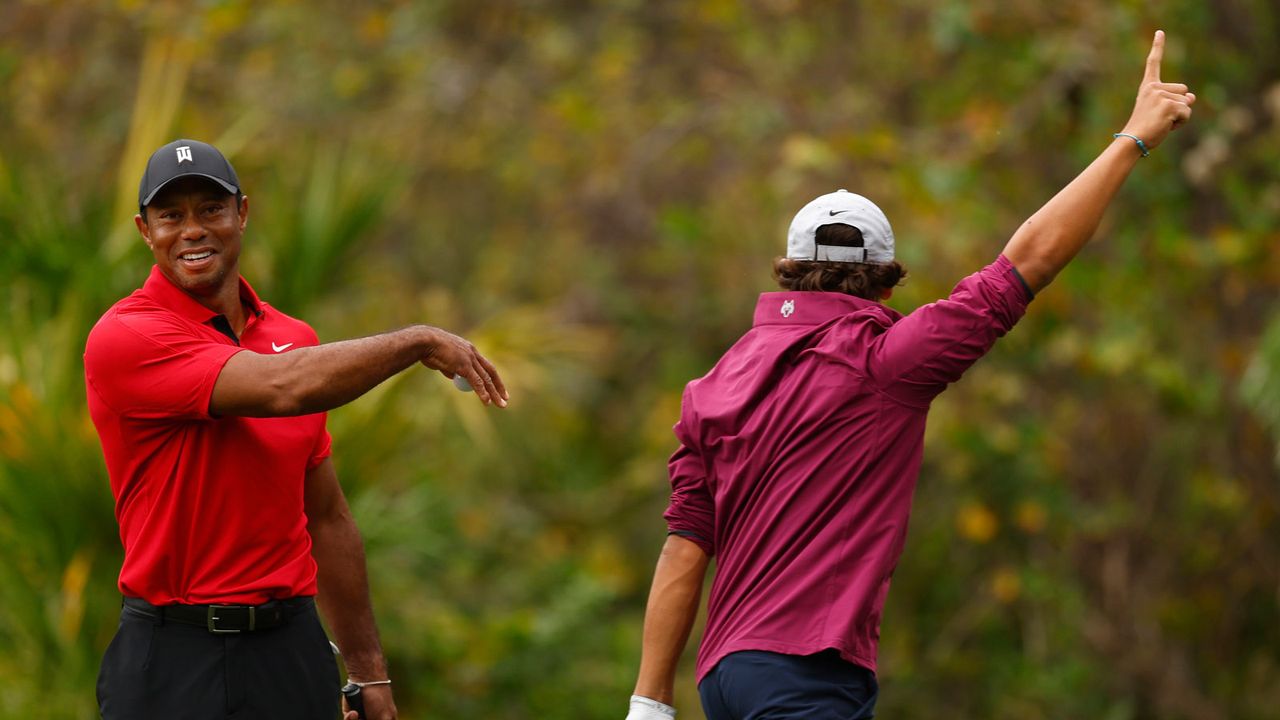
[642, 708]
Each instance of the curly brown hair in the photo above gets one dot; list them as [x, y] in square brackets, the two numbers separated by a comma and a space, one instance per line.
[869, 281]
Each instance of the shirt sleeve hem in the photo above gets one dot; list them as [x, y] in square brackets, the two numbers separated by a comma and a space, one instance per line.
[207, 389]
[696, 539]
[1030, 295]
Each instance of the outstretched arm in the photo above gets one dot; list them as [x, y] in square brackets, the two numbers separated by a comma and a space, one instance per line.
[1051, 237]
[323, 377]
[669, 616]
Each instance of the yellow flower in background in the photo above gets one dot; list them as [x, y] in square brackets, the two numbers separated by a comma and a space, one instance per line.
[1031, 517]
[1006, 586]
[374, 28]
[976, 523]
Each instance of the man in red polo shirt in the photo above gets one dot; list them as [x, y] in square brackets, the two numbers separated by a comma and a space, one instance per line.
[210, 406]
[799, 451]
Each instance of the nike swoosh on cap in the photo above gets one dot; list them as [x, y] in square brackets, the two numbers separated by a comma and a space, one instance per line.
[281, 348]
[833, 213]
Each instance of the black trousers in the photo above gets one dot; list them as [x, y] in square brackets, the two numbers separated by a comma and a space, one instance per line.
[155, 669]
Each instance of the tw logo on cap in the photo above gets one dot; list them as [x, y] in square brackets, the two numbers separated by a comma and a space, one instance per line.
[184, 153]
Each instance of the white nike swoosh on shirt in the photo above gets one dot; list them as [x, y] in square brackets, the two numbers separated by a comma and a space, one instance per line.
[281, 348]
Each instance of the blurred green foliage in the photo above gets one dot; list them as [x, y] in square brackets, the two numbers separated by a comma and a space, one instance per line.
[592, 192]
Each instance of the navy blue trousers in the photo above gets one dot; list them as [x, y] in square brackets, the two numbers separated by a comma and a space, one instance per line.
[757, 685]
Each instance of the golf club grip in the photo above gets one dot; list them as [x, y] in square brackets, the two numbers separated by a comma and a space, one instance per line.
[355, 698]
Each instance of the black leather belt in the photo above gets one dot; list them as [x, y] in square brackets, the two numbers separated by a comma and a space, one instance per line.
[225, 618]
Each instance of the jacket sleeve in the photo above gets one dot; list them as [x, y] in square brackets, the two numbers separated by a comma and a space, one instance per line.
[932, 347]
[691, 511]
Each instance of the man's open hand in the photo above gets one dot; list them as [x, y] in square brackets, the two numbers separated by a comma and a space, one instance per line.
[452, 355]
[1161, 107]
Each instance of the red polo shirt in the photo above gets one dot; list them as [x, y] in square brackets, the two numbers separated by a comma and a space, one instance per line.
[210, 508]
[799, 455]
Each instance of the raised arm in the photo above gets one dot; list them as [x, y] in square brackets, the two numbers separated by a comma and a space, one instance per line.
[1050, 238]
[323, 377]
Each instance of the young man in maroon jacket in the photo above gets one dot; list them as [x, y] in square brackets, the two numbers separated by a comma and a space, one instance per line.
[210, 405]
[799, 451]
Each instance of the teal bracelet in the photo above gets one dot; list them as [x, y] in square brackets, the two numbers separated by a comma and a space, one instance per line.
[1141, 145]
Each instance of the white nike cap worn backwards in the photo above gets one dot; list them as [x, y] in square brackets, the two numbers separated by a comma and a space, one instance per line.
[843, 208]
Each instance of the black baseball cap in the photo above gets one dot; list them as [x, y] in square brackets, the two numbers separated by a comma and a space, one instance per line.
[181, 158]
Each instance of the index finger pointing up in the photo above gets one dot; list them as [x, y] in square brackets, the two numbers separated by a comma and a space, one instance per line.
[1152, 73]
